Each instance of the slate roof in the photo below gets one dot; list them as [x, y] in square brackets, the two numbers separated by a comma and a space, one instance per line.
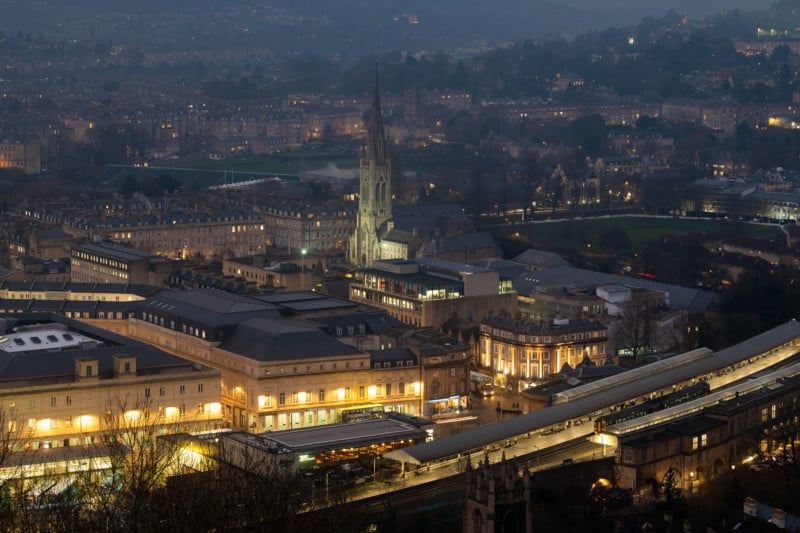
[277, 339]
[400, 236]
[291, 296]
[209, 306]
[52, 234]
[60, 365]
[14, 367]
[540, 259]
[316, 305]
[393, 355]
[427, 217]
[119, 252]
[374, 323]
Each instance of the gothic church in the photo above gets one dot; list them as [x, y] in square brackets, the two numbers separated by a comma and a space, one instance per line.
[374, 218]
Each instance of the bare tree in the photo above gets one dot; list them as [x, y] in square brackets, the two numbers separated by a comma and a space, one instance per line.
[141, 478]
[34, 496]
[636, 328]
[138, 464]
[13, 440]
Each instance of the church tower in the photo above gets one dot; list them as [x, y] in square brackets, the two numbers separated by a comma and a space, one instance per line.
[375, 192]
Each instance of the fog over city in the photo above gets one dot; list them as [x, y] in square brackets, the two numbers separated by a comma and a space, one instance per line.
[399, 266]
[344, 26]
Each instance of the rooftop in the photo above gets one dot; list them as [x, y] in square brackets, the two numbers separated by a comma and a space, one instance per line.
[24, 361]
[278, 339]
[118, 252]
[333, 436]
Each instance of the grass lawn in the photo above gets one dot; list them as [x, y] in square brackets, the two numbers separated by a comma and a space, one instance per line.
[641, 230]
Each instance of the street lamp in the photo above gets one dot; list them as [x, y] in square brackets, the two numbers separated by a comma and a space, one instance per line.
[303, 253]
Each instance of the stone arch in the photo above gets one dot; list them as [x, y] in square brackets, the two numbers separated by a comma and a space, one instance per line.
[510, 523]
[380, 191]
[718, 468]
[477, 521]
[653, 486]
[700, 473]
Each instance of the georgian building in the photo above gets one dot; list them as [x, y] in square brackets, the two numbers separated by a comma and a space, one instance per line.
[314, 229]
[702, 447]
[181, 235]
[68, 384]
[277, 373]
[22, 155]
[108, 263]
[518, 353]
[445, 374]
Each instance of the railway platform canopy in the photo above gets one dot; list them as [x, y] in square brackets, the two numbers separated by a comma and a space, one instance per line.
[303, 448]
[607, 392]
[671, 414]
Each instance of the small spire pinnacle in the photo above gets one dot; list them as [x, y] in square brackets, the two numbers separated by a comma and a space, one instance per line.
[376, 139]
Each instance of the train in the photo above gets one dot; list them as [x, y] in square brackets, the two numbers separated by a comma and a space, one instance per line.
[650, 406]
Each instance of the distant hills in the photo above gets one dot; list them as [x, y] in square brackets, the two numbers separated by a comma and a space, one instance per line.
[347, 27]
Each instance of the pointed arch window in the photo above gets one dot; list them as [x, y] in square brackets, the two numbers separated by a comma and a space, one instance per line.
[380, 191]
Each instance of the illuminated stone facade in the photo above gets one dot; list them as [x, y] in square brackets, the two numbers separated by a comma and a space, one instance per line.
[103, 263]
[64, 384]
[276, 373]
[186, 236]
[518, 353]
[374, 216]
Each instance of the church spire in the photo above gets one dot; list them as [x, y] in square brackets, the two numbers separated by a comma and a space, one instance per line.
[376, 139]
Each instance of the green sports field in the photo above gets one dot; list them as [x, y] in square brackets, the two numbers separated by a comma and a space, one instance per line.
[638, 231]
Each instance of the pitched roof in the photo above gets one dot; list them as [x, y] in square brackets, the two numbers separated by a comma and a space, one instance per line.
[209, 306]
[276, 339]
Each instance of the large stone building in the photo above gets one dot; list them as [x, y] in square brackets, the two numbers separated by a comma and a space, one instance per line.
[429, 292]
[180, 235]
[311, 228]
[277, 373]
[65, 384]
[704, 446]
[108, 263]
[518, 353]
[21, 155]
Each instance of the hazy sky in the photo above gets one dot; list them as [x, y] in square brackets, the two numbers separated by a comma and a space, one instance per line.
[343, 26]
[639, 8]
